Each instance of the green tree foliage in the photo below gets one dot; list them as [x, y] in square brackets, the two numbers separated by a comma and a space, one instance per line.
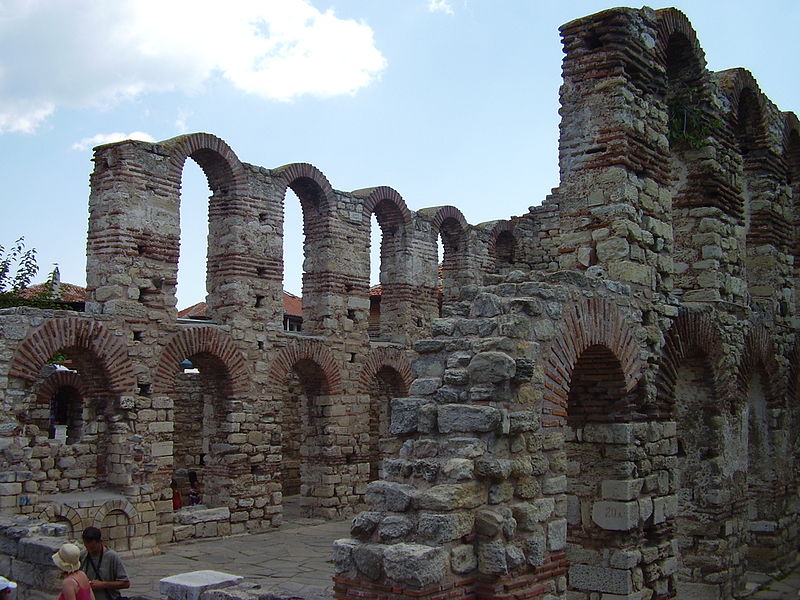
[18, 267]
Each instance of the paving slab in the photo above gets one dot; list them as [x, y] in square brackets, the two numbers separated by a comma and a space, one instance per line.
[293, 558]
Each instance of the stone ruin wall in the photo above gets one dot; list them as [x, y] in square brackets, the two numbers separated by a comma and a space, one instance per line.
[605, 405]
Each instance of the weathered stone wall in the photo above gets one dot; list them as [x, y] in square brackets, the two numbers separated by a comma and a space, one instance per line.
[603, 399]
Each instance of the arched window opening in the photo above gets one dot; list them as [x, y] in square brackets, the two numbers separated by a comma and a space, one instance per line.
[66, 415]
[505, 248]
[293, 251]
[117, 530]
[597, 403]
[386, 260]
[761, 474]
[300, 427]
[199, 433]
[193, 249]
[451, 250]
[698, 477]
[386, 384]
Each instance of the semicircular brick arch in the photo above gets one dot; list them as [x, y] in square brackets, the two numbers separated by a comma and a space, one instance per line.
[201, 340]
[309, 183]
[736, 83]
[505, 226]
[444, 213]
[690, 332]
[58, 379]
[223, 169]
[119, 504]
[55, 335]
[672, 22]
[588, 322]
[376, 196]
[311, 350]
[378, 358]
[759, 356]
[53, 511]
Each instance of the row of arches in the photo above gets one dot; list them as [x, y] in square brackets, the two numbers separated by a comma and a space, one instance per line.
[734, 422]
[294, 416]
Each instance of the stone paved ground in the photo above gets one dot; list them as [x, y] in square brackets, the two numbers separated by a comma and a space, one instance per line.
[784, 589]
[294, 561]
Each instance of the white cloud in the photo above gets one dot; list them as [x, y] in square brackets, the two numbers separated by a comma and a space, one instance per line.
[180, 120]
[108, 138]
[440, 6]
[86, 53]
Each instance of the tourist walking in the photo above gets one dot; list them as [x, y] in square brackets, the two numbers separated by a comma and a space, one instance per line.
[76, 584]
[107, 574]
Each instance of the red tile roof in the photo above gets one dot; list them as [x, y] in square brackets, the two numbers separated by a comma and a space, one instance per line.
[292, 305]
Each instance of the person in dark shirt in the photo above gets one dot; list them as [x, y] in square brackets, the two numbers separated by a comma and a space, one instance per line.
[103, 566]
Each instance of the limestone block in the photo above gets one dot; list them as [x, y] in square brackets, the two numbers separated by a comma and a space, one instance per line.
[501, 492]
[555, 485]
[405, 415]
[493, 468]
[36, 575]
[466, 418]
[387, 495]
[557, 534]
[394, 527]
[601, 579]
[458, 469]
[530, 514]
[463, 558]
[492, 557]
[440, 528]
[625, 559]
[491, 367]
[415, 564]
[38, 550]
[364, 524]
[616, 516]
[368, 559]
[194, 515]
[189, 586]
[515, 557]
[342, 554]
[699, 591]
[452, 496]
[621, 489]
[609, 433]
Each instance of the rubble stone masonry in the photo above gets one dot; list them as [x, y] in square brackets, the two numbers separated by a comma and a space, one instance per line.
[595, 400]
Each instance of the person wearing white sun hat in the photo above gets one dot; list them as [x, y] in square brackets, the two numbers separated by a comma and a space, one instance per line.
[5, 588]
[76, 584]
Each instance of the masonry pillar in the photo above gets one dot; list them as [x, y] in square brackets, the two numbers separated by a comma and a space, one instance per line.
[613, 150]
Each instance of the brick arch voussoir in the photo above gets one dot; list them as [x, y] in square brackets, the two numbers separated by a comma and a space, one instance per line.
[58, 379]
[671, 21]
[55, 335]
[117, 505]
[202, 340]
[376, 195]
[287, 174]
[791, 127]
[52, 511]
[223, 169]
[444, 213]
[311, 350]
[759, 355]
[379, 358]
[586, 323]
[733, 83]
[505, 226]
[689, 333]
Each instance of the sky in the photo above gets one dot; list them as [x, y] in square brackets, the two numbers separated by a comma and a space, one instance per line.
[447, 101]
